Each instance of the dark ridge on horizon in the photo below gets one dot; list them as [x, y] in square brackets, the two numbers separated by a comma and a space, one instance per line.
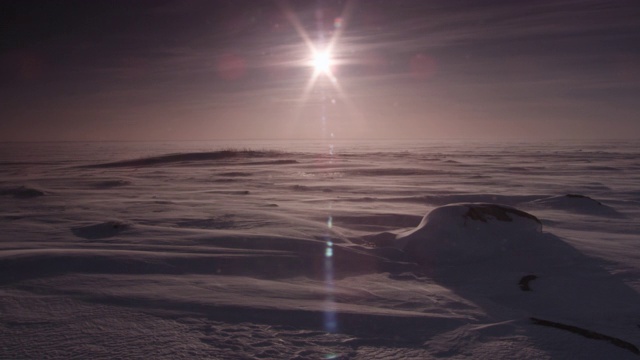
[197, 157]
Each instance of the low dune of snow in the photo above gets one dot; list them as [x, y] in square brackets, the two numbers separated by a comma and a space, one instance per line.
[182, 251]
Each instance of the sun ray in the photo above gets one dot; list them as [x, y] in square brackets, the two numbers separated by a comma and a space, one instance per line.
[322, 57]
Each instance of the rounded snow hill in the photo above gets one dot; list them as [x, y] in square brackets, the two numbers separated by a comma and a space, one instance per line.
[101, 230]
[22, 192]
[576, 203]
[498, 257]
[473, 233]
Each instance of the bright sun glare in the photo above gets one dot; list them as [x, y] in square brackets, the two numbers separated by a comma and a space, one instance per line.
[321, 62]
[321, 55]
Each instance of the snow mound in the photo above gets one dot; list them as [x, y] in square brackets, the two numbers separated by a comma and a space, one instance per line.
[102, 230]
[22, 192]
[108, 184]
[576, 203]
[460, 233]
[496, 255]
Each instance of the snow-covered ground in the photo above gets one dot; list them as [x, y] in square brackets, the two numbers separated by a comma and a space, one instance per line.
[304, 250]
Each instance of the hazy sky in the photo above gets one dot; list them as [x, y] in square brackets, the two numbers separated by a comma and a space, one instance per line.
[204, 69]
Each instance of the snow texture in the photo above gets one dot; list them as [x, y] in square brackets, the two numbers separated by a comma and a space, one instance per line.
[320, 251]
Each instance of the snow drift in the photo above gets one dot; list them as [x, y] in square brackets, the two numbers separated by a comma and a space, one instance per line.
[182, 251]
[498, 256]
[462, 233]
[577, 203]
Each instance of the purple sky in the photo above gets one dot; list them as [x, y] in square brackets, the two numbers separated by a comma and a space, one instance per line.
[203, 69]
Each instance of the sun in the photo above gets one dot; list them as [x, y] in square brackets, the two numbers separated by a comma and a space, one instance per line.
[324, 57]
[321, 62]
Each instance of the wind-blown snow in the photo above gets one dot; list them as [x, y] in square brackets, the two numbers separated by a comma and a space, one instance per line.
[490, 250]
[183, 250]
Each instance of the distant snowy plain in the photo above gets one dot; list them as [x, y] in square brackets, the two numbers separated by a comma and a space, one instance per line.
[302, 250]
